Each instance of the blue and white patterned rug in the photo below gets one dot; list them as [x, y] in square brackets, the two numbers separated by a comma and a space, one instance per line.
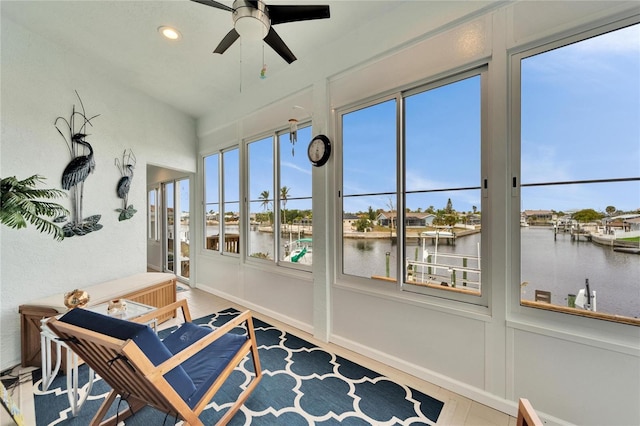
[302, 384]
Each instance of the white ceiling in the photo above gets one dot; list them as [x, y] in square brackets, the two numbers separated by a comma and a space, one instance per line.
[121, 38]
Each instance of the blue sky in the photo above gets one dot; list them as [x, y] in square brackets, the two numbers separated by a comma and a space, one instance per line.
[580, 120]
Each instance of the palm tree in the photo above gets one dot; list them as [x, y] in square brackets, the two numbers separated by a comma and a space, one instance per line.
[264, 198]
[20, 204]
[284, 195]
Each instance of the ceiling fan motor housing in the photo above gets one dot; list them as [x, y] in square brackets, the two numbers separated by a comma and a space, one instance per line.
[251, 19]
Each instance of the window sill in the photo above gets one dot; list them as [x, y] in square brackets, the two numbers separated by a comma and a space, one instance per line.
[387, 288]
[460, 290]
[579, 312]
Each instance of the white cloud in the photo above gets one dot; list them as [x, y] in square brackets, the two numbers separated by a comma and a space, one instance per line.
[293, 166]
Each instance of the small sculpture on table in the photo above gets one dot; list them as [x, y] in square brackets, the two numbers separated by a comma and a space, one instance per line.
[116, 307]
[76, 299]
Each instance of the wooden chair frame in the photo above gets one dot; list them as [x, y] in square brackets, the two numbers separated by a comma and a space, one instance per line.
[527, 416]
[133, 375]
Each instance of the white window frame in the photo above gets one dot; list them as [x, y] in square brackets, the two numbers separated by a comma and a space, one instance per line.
[221, 200]
[441, 297]
[153, 228]
[279, 137]
[519, 311]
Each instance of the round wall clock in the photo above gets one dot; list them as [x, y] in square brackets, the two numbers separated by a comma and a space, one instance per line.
[319, 150]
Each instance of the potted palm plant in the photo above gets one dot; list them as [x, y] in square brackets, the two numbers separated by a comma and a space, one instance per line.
[22, 202]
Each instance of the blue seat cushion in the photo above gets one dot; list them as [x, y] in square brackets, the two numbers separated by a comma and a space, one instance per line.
[204, 367]
[146, 339]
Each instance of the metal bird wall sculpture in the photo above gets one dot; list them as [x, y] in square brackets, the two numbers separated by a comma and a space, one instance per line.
[124, 184]
[80, 167]
[82, 164]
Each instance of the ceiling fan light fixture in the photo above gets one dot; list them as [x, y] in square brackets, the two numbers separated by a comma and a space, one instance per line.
[169, 32]
[251, 28]
[250, 20]
[253, 20]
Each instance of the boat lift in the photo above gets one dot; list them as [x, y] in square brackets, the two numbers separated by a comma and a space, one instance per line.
[444, 269]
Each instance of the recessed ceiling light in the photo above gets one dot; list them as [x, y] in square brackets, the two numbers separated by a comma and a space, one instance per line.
[170, 33]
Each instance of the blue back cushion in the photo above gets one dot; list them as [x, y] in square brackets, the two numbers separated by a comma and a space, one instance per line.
[146, 339]
[205, 367]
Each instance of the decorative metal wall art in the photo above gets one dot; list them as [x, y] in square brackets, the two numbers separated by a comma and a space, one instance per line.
[293, 134]
[122, 189]
[82, 164]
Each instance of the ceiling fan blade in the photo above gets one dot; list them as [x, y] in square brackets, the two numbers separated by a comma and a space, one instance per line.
[227, 41]
[276, 43]
[214, 4]
[281, 14]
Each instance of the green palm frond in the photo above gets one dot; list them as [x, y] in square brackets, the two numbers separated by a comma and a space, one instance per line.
[21, 204]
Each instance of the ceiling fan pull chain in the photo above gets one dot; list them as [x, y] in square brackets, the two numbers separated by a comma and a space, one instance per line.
[263, 71]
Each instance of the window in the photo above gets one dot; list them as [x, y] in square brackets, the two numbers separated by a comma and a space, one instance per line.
[152, 212]
[369, 145]
[429, 214]
[286, 205]
[183, 239]
[580, 174]
[222, 201]
[231, 201]
[442, 226]
[211, 202]
[175, 226]
[261, 199]
[168, 195]
[294, 196]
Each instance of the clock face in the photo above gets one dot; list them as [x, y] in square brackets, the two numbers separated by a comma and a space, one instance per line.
[319, 150]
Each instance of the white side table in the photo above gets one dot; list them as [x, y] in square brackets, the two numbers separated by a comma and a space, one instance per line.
[50, 342]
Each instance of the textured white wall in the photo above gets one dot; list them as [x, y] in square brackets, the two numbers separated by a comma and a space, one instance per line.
[38, 83]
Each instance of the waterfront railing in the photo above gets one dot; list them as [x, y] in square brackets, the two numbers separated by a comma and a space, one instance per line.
[445, 269]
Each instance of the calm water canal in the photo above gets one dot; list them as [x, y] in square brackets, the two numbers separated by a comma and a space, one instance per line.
[559, 266]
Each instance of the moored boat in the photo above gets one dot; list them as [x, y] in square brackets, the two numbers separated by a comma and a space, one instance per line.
[300, 251]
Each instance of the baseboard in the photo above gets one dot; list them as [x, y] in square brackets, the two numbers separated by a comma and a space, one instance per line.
[259, 308]
[478, 395]
[153, 268]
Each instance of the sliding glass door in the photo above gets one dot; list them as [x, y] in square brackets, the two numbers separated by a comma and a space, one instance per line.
[176, 227]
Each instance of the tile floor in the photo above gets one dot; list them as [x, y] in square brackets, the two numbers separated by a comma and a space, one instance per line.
[458, 410]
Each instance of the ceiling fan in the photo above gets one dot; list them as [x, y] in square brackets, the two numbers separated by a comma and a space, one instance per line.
[254, 20]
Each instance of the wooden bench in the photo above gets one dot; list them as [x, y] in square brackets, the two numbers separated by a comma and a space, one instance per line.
[151, 288]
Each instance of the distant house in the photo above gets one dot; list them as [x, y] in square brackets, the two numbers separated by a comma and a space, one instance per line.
[411, 220]
[633, 224]
[349, 220]
[387, 219]
[474, 219]
[625, 222]
[419, 220]
[539, 216]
